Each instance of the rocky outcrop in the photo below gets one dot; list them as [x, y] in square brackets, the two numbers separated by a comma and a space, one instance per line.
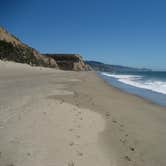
[12, 49]
[69, 62]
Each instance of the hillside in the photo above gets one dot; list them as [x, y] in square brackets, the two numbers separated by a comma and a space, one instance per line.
[12, 49]
[98, 66]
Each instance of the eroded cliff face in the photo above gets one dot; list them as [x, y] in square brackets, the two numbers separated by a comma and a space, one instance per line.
[69, 62]
[12, 49]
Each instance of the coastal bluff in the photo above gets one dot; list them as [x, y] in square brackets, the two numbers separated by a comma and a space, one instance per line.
[12, 49]
[69, 62]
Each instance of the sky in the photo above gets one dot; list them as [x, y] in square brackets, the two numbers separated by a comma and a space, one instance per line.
[123, 32]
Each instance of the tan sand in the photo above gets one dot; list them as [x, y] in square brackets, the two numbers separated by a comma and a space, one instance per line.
[56, 118]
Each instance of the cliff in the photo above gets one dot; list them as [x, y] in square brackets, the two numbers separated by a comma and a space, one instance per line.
[12, 49]
[69, 62]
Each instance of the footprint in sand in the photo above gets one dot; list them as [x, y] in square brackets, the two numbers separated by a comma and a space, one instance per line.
[44, 113]
[10, 165]
[28, 154]
[79, 153]
[114, 121]
[124, 141]
[71, 163]
[71, 143]
[107, 115]
[127, 158]
[132, 149]
[71, 130]
[62, 101]
[77, 104]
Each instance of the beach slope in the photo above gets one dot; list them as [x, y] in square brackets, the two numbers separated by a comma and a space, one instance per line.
[50, 117]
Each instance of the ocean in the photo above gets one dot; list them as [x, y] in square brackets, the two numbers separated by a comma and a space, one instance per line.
[150, 85]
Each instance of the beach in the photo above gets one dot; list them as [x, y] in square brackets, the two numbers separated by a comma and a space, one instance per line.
[51, 117]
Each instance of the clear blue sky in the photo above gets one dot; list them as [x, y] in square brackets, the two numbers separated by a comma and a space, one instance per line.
[125, 32]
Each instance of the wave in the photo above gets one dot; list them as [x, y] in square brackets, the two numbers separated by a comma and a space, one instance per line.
[139, 82]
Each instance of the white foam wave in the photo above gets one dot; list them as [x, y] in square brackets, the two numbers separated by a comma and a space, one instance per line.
[136, 81]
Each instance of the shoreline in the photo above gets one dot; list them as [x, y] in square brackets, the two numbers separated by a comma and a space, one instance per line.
[132, 94]
[51, 117]
[129, 151]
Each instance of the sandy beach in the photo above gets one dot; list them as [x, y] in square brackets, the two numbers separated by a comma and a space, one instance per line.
[50, 117]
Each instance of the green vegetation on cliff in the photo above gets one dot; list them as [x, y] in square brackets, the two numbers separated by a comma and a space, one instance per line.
[17, 53]
[12, 49]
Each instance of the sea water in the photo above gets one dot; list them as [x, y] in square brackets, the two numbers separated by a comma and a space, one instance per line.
[150, 85]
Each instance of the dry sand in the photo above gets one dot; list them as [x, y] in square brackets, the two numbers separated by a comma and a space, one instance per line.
[56, 118]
